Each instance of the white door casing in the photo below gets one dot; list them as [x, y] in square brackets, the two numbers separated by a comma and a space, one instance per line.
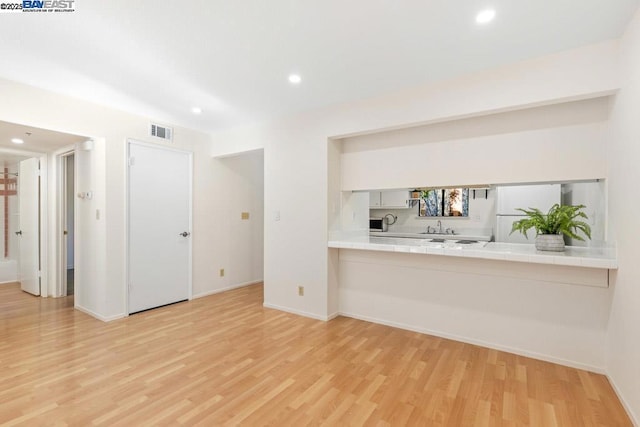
[159, 226]
[29, 231]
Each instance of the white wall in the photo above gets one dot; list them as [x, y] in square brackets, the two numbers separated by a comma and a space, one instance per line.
[530, 309]
[623, 340]
[90, 287]
[296, 244]
[518, 146]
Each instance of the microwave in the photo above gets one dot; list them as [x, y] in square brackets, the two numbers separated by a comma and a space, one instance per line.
[377, 224]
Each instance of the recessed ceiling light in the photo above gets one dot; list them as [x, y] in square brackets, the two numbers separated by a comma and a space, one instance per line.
[17, 141]
[485, 16]
[196, 110]
[295, 79]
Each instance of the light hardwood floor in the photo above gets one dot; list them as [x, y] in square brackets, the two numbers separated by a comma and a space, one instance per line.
[226, 360]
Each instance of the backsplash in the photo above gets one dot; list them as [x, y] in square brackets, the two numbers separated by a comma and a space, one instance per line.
[480, 221]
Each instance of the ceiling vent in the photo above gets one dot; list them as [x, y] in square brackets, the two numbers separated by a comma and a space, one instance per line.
[163, 132]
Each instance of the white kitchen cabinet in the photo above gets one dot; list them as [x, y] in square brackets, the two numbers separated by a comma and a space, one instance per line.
[374, 199]
[391, 199]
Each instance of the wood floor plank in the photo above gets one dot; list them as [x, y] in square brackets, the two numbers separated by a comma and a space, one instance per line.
[227, 360]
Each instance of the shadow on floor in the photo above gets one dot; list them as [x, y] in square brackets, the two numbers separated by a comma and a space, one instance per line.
[70, 275]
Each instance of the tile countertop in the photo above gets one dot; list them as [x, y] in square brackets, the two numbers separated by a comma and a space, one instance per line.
[423, 235]
[572, 256]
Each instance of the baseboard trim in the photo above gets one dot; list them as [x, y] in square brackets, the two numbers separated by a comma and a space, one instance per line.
[99, 316]
[8, 281]
[299, 312]
[333, 315]
[228, 288]
[531, 354]
[625, 404]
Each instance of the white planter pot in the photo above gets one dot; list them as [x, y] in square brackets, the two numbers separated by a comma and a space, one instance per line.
[550, 242]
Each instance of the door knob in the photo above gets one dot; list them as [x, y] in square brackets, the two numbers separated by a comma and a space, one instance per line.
[184, 234]
[19, 233]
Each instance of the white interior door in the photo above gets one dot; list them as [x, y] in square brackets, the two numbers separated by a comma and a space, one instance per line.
[29, 232]
[159, 247]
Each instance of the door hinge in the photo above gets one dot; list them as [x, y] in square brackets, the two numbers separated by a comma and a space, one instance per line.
[39, 273]
[132, 161]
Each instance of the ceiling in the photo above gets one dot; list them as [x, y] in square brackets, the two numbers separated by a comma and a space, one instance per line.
[36, 140]
[232, 58]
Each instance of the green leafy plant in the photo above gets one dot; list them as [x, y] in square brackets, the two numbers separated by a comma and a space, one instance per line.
[561, 219]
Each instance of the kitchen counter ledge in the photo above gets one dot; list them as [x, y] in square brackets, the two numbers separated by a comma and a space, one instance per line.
[604, 258]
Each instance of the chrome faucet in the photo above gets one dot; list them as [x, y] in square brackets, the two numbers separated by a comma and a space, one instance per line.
[439, 227]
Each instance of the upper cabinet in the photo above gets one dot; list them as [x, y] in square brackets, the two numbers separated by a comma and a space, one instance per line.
[391, 199]
[374, 199]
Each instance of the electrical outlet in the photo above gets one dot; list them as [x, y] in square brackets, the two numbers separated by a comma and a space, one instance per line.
[222, 272]
[301, 291]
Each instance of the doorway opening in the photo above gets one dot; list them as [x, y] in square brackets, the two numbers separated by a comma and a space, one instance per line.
[9, 216]
[67, 258]
[33, 230]
[20, 213]
[240, 183]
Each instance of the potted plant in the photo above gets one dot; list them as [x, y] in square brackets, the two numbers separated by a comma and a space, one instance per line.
[560, 221]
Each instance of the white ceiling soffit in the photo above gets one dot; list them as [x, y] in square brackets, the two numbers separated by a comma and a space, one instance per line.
[232, 59]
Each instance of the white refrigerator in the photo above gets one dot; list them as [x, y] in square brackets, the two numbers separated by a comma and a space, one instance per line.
[509, 198]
